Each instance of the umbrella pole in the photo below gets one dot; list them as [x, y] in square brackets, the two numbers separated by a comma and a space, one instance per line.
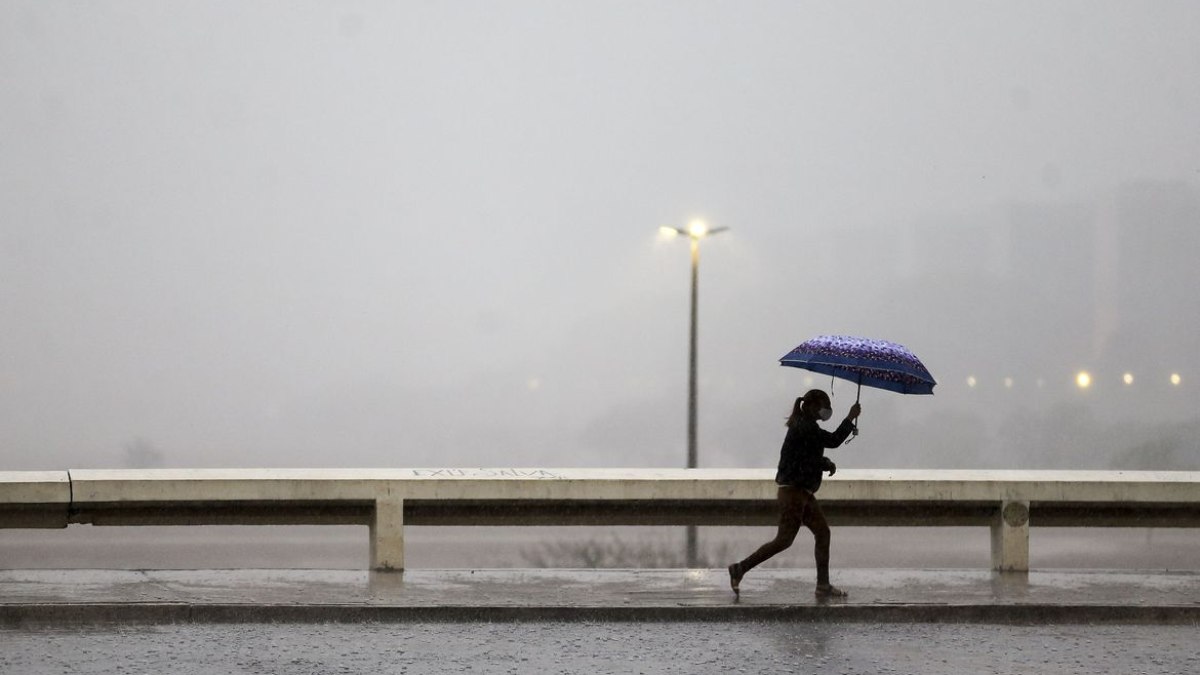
[857, 395]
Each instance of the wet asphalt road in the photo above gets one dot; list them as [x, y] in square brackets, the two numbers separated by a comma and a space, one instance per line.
[599, 648]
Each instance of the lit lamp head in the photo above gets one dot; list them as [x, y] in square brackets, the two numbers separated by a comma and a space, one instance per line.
[1083, 379]
[695, 230]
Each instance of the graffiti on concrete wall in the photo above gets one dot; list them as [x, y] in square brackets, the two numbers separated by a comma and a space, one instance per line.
[484, 473]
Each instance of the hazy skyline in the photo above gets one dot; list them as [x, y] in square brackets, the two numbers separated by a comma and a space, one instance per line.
[403, 234]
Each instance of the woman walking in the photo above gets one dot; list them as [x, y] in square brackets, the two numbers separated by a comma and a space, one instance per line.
[802, 460]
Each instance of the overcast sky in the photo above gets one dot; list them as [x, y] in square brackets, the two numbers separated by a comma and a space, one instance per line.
[415, 234]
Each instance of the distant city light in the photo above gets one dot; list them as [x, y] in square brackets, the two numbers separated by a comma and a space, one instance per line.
[665, 232]
[808, 380]
[697, 228]
[1176, 379]
[1083, 380]
[1127, 378]
[1008, 383]
[533, 383]
[971, 381]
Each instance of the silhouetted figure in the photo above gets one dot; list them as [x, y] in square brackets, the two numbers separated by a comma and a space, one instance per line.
[802, 460]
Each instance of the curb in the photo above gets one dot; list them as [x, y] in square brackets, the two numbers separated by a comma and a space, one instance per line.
[60, 615]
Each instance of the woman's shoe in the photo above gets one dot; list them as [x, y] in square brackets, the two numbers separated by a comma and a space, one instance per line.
[735, 578]
[827, 591]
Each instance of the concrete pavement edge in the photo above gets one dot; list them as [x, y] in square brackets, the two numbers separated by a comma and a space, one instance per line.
[17, 616]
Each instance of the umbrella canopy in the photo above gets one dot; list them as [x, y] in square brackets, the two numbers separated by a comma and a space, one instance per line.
[873, 363]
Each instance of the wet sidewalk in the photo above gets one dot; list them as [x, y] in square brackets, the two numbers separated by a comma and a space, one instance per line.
[29, 597]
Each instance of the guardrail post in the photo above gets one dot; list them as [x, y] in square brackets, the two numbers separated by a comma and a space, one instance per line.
[1010, 537]
[387, 536]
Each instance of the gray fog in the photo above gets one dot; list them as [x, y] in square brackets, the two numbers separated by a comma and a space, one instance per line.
[373, 234]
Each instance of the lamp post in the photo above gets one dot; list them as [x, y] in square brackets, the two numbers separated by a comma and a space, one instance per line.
[695, 231]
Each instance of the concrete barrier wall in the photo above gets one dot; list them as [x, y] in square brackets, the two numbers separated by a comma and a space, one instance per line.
[40, 499]
[387, 499]
[117, 486]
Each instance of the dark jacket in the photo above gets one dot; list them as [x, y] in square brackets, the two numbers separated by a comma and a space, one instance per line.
[802, 458]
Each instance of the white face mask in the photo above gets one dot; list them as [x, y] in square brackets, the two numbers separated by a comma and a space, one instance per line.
[825, 414]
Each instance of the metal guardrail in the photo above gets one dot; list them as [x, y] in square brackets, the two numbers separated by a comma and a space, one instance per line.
[386, 500]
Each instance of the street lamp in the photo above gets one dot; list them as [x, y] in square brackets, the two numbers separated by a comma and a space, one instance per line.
[1083, 379]
[695, 231]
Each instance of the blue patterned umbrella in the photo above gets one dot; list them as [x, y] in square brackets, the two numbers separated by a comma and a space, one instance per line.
[874, 363]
